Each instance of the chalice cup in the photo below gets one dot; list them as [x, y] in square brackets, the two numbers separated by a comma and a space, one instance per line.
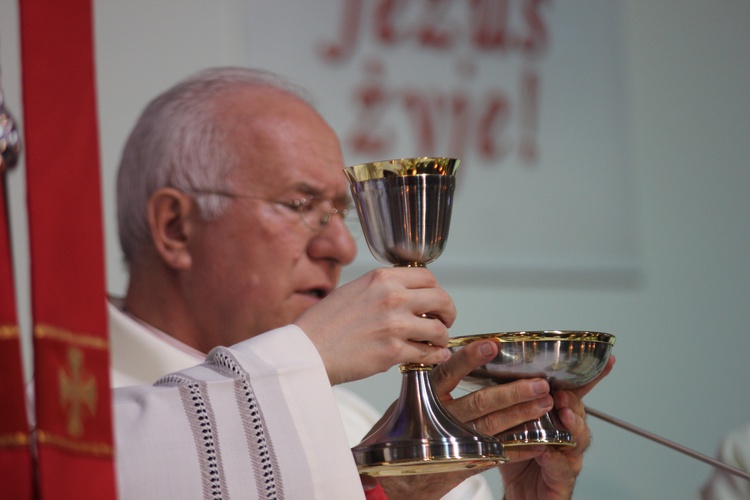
[404, 207]
[566, 359]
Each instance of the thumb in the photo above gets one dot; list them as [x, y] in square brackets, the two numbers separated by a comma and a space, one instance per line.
[447, 375]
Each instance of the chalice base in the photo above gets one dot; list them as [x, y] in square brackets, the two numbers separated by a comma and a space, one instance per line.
[421, 437]
[547, 429]
[429, 464]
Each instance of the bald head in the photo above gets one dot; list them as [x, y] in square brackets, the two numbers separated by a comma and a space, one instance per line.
[225, 251]
[182, 139]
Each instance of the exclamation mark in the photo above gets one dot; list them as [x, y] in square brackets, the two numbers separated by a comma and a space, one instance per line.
[528, 148]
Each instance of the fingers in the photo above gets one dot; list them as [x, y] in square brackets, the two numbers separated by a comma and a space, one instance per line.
[425, 330]
[576, 425]
[446, 377]
[523, 453]
[522, 405]
[426, 353]
[495, 409]
[386, 317]
[416, 309]
[555, 468]
[583, 390]
[572, 413]
[409, 339]
[569, 399]
[425, 296]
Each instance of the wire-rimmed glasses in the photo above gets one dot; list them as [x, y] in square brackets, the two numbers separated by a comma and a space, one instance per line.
[315, 211]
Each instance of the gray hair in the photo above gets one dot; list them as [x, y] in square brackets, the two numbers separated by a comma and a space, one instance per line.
[178, 142]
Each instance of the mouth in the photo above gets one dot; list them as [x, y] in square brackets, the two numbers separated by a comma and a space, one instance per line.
[318, 293]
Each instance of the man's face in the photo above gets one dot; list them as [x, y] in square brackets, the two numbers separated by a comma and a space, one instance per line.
[258, 266]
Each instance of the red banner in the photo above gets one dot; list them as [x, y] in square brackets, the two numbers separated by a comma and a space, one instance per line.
[15, 455]
[71, 358]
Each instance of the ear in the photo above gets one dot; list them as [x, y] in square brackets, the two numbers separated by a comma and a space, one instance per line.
[170, 215]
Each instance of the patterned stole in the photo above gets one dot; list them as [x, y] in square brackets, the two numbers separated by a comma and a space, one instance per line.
[71, 356]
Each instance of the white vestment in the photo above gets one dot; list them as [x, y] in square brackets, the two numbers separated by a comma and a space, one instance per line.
[734, 450]
[257, 420]
[142, 355]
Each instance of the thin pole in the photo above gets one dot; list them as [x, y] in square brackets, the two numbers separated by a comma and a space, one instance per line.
[669, 444]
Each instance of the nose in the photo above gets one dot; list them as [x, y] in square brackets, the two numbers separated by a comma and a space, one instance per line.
[334, 243]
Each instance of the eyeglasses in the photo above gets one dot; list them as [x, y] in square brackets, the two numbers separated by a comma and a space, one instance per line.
[316, 212]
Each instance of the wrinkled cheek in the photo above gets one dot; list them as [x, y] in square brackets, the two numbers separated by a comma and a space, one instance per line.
[255, 280]
[289, 242]
[291, 250]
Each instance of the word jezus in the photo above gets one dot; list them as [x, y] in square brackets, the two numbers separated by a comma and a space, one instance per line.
[469, 113]
[500, 26]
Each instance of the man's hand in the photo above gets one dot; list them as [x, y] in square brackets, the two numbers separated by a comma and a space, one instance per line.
[490, 410]
[493, 409]
[534, 472]
[552, 473]
[386, 317]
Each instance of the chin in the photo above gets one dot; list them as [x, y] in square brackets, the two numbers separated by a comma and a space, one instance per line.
[305, 301]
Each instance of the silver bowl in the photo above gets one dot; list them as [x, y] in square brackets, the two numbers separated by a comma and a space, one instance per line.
[566, 359]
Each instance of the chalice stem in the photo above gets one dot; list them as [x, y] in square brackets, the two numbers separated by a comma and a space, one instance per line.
[669, 444]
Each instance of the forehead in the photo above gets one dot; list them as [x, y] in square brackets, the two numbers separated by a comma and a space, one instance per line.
[281, 143]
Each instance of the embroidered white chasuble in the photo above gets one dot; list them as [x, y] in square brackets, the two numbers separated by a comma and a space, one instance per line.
[141, 355]
[257, 420]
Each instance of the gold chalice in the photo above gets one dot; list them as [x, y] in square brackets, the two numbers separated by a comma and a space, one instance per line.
[404, 207]
[566, 359]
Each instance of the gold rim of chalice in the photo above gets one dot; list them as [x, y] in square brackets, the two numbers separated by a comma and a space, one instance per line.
[535, 335]
[402, 167]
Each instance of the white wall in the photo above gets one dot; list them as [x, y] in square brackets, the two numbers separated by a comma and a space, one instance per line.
[681, 339]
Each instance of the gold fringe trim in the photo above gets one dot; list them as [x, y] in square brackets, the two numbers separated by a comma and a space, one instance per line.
[42, 331]
[94, 449]
[14, 440]
[8, 332]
